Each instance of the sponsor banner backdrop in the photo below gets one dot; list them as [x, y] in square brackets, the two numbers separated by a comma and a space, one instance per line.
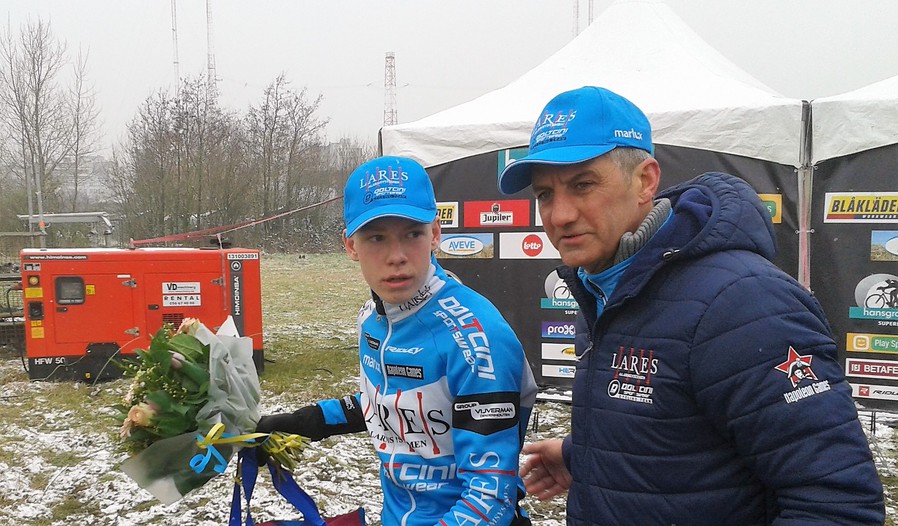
[871, 343]
[883, 369]
[774, 204]
[861, 207]
[558, 329]
[853, 274]
[884, 245]
[517, 287]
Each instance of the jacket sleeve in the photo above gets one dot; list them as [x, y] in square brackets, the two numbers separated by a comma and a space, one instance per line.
[766, 373]
[486, 424]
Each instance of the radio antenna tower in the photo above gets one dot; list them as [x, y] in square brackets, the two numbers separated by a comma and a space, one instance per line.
[174, 41]
[391, 116]
[210, 58]
[575, 30]
[591, 9]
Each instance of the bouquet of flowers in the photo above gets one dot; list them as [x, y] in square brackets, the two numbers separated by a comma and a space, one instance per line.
[193, 400]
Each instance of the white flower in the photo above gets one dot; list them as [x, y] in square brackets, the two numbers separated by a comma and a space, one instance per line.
[189, 326]
[139, 415]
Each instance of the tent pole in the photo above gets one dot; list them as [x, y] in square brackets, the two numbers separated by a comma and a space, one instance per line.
[805, 185]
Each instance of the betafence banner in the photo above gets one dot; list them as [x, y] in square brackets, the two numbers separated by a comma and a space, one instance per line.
[854, 267]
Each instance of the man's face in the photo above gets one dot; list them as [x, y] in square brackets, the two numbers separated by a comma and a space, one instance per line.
[587, 207]
[394, 255]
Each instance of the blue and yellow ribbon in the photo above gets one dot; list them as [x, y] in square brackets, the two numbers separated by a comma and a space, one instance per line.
[215, 436]
[277, 445]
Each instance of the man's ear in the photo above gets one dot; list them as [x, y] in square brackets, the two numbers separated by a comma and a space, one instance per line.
[435, 240]
[648, 175]
[349, 244]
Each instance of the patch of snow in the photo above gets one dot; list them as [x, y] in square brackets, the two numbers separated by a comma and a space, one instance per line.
[340, 473]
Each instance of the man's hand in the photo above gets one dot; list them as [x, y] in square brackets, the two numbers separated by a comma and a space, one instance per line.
[544, 473]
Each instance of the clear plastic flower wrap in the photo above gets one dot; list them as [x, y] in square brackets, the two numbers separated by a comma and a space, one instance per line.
[194, 399]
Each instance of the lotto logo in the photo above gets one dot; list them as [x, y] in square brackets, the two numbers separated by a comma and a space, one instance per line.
[526, 245]
[532, 245]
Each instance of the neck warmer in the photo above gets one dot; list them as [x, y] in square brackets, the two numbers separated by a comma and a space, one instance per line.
[631, 242]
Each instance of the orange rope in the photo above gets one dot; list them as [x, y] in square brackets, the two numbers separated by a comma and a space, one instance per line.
[228, 228]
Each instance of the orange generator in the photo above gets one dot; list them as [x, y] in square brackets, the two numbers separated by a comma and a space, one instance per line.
[86, 308]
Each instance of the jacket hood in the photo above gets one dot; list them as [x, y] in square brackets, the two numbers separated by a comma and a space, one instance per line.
[710, 213]
[714, 212]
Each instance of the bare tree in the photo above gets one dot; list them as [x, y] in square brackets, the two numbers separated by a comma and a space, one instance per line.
[84, 115]
[285, 140]
[50, 126]
[190, 164]
[184, 168]
[35, 106]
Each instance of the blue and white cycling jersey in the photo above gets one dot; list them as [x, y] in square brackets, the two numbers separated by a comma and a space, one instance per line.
[446, 395]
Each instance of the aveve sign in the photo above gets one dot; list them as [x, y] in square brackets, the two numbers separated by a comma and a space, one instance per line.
[526, 245]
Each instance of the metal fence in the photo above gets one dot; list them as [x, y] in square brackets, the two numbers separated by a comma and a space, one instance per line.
[12, 316]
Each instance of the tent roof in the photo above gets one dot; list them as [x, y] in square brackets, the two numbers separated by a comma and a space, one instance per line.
[855, 121]
[692, 94]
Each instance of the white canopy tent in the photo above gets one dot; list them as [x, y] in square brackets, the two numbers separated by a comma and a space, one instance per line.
[693, 95]
[855, 121]
[706, 114]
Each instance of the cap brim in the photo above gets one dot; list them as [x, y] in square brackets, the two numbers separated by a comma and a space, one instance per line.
[516, 176]
[413, 213]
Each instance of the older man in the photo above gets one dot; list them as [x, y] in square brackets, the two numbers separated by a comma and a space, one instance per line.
[708, 390]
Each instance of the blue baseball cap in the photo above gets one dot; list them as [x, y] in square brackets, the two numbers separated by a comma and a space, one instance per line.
[388, 187]
[577, 126]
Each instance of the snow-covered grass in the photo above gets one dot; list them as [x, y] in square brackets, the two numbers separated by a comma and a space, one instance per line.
[58, 454]
[59, 460]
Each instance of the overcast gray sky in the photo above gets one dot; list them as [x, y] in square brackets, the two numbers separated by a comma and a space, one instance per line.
[447, 51]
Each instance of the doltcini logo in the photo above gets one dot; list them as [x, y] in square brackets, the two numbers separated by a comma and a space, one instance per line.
[383, 184]
[496, 216]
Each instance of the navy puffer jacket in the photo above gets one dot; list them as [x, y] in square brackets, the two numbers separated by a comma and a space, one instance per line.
[709, 391]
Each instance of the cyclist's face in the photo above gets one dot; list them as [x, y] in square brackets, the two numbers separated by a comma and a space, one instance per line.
[587, 207]
[394, 255]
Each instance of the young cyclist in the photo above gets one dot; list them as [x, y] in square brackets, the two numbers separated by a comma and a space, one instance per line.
[445, 389]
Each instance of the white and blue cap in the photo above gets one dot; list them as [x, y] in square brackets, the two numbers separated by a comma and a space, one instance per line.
[388, 187]
[577, 126]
